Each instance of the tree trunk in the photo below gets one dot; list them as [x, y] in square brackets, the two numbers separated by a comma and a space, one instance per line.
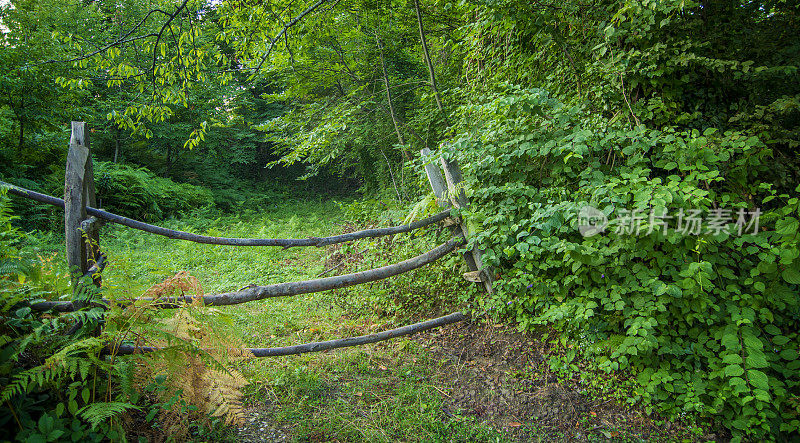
[389, 95]
[428, 57]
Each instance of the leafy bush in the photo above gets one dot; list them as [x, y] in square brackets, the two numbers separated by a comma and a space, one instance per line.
[645, 106]
[709, 321]
[140, 194]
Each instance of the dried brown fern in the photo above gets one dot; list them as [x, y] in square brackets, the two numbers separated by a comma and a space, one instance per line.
[179, 284]
[199, 370]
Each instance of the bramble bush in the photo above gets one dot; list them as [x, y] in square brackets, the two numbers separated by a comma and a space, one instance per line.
[708, 322]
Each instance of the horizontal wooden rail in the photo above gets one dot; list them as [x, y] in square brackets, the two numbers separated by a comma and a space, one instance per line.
[254, 292]
[324, 345]
[227, 241]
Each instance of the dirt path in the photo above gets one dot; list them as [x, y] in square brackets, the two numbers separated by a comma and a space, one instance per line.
[498, 377]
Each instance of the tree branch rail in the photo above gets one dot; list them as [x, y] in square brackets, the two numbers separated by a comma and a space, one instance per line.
[253, 292]
[228, 241]
[321, 345]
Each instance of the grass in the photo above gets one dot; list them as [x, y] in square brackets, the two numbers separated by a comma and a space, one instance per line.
[377, 393]
[373, 393]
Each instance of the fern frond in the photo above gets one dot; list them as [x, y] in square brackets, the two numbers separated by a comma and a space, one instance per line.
[15, 266]
[88, 345]
[427, 204]
[96, 413]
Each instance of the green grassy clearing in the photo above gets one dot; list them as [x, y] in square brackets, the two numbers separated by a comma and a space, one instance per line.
[373, 393]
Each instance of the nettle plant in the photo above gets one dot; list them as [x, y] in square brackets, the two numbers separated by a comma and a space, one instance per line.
[708, 322]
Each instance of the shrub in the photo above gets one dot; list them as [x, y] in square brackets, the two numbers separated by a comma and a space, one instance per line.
[709, 321]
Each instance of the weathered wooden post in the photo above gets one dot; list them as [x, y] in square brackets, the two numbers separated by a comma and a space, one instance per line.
[81, 232]
[448, 187]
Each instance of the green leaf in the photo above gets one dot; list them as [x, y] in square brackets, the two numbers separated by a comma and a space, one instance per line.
[752, 342]
[780, 340]
[791, 275]
[55, 434]
[72, 406]
[45, 424]
[758, 379]
[787, 226]
[737, 381]
[757, 360]
[732, 359]
[733, 370]
[762, 395]
[731, 340]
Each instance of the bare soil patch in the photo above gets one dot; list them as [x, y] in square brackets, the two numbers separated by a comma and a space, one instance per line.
[499, 375]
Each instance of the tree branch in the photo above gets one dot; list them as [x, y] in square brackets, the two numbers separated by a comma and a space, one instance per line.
[286, 27]
[123, 39]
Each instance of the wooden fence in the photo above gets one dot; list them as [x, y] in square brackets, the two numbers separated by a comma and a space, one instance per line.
[82, 222]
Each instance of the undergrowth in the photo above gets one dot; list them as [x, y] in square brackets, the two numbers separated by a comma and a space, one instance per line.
[60, 378]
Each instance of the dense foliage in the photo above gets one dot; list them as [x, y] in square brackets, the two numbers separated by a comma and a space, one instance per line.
[144, 196]
[709, 320]
[680, 109]
[639, 109]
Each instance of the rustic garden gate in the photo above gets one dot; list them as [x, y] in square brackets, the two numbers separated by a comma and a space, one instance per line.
[82, 222]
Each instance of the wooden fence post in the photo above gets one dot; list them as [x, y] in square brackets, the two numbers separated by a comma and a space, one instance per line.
[436, 180]
[79, 192]
[445, 188]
